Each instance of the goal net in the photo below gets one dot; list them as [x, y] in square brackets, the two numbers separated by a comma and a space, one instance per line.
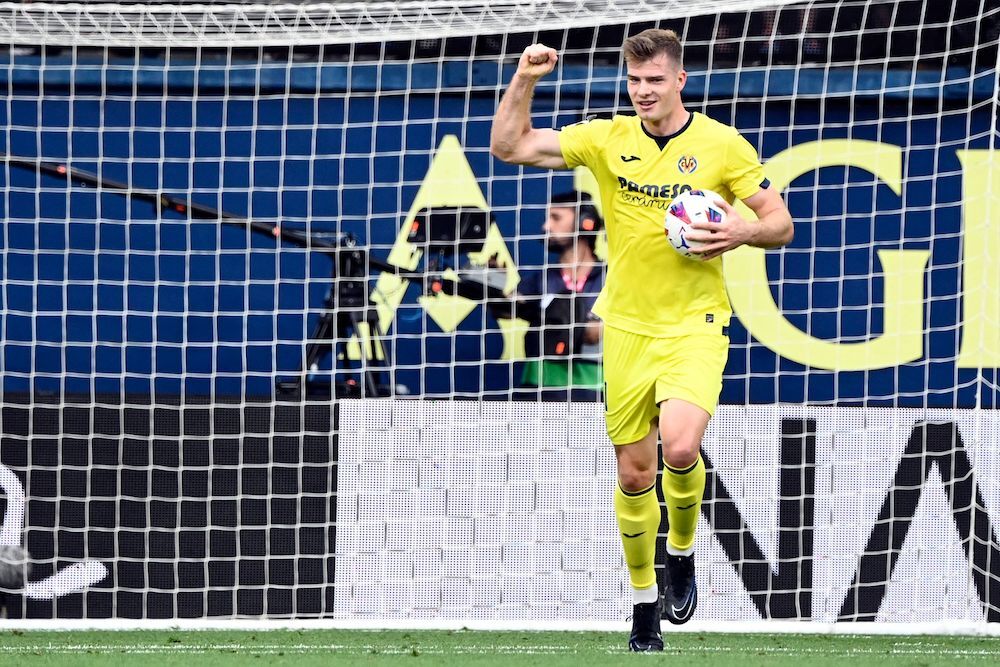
[258, 357]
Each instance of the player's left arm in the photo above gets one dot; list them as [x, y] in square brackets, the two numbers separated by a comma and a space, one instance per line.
[772, 228]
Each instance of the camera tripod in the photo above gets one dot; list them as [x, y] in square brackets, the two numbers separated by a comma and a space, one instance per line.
[350, 315]
[442, 235]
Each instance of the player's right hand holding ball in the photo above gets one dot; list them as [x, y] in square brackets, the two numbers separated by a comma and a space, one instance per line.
[537, 61]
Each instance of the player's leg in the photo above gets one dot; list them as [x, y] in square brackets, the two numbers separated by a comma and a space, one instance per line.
[682, 426]
[638, 511]
[629, 411]
[687, 397]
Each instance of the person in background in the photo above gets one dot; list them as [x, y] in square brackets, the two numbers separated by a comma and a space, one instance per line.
[564, 353]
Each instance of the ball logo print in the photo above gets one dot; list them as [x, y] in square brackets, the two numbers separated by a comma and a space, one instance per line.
[685, 210]
[687, 164]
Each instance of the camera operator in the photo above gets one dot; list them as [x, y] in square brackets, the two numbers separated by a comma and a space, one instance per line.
[564, 346]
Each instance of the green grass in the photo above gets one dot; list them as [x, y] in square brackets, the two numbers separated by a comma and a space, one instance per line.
[552, 649]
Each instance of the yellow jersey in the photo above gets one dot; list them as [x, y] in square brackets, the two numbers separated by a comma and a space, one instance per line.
[650, 289]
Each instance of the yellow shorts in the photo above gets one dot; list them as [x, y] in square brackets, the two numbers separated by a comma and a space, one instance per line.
[641, 372]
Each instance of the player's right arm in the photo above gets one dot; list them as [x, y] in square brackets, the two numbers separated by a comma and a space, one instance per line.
[512, 138]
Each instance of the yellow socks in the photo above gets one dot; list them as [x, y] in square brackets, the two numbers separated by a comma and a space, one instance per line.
[683, 491]
[639, 520]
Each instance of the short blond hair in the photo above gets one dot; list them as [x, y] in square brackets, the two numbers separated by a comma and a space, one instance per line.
[652, 42]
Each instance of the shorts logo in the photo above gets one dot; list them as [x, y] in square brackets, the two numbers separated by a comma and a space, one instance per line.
[687, 164]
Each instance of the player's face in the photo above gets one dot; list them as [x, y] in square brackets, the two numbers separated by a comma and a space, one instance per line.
[560, 228]
[654, 86]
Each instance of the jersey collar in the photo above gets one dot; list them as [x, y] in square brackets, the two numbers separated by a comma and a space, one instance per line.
[662, 141]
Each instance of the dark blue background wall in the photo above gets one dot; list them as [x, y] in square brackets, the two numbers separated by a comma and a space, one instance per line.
[102, 294]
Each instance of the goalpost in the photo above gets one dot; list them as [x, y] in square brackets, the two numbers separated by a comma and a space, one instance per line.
[231, 389]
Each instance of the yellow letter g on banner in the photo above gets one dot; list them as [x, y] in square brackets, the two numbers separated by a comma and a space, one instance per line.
[903, 271]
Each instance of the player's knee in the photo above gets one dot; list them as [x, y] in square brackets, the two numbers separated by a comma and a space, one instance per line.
[680, 449]
[634, 478]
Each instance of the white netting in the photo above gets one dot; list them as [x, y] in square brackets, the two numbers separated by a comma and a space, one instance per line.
[224, 25]
[472, 525]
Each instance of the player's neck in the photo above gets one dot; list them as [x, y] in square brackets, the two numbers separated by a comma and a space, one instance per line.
[668, 125]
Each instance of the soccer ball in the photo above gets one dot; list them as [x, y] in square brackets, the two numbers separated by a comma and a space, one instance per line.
[689, 207]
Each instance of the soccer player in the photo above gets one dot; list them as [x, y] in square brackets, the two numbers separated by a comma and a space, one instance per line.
[665, 316]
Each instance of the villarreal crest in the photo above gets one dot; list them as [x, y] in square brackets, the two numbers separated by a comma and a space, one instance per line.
[687, 164]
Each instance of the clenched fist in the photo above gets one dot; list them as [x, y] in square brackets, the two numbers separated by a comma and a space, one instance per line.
[537, 61]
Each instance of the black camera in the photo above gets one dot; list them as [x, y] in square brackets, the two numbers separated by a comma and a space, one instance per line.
[449, 231]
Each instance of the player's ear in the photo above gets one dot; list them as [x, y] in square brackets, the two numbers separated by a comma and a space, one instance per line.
[682, 77]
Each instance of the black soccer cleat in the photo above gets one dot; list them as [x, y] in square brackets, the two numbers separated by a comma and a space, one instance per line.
[646, 628]
[680, 597]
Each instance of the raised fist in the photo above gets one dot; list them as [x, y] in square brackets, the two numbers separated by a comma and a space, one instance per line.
[537, 61]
